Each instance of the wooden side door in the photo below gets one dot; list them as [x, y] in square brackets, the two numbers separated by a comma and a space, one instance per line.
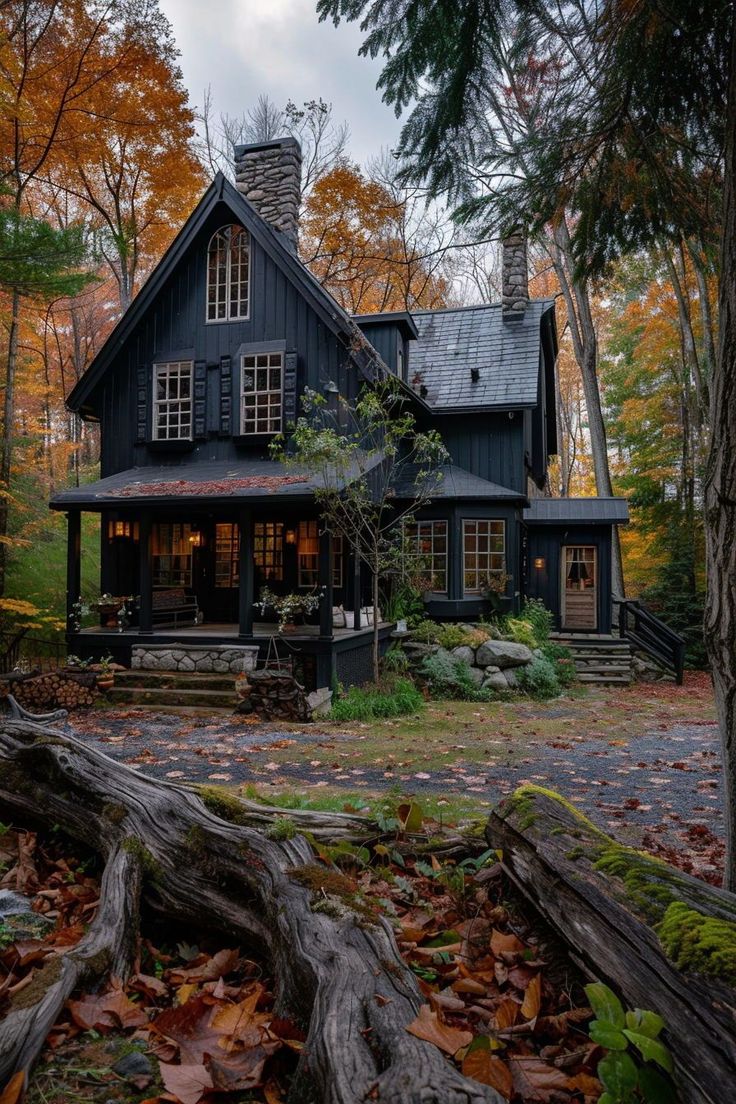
[580, 587]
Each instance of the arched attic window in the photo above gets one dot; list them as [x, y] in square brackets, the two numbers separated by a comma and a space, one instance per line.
[228, 266]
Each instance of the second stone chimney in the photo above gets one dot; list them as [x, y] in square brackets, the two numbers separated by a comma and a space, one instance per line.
[515, 276]
[269, 174]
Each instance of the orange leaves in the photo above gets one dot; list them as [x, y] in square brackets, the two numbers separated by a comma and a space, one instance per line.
[429, 1027]
[482, 1065]
[13, 1091]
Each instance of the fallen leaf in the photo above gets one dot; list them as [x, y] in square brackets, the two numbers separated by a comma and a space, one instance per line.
[112, 1009]
[535, 1080]
[502, 943]
[505, 1013]
[428, 1027]
[188, 1083]
[13, 1091]
[586, 1084]
[188, 1026]
[532, 998]
[480, 1064]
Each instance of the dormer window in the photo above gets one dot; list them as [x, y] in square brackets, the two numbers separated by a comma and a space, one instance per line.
[228, 265]
[172, 401]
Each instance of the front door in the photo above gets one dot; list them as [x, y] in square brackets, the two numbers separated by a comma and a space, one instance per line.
[579, 587]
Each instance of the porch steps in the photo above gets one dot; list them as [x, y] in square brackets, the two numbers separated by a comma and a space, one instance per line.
[604, 660]
[173, 690]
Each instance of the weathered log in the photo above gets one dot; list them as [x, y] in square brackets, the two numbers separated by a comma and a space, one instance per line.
[108, 948]
[337, 967]
[630, 920]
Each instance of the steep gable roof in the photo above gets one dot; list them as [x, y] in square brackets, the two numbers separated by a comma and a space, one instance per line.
[275, 245]
[455, 342]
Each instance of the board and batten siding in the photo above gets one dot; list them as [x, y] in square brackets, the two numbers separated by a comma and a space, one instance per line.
[176, 328]
[546, 542]
[488, 445]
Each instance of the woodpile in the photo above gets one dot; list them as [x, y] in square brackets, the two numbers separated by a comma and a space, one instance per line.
[62, 689]
[273, 695]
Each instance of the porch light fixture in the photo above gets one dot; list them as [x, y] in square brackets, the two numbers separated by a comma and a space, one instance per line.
[290, 536]
[539, 563]
[195, 538]
[119, 530]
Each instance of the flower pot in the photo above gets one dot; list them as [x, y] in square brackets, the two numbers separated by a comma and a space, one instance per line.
[105, 682]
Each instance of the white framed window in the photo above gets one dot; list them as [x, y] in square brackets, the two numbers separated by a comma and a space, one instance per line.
[427, 545]
[484, 552]
[172, 401]
[261, 384]
[228, 274]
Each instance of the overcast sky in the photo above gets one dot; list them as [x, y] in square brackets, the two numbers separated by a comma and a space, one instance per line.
[243, 48]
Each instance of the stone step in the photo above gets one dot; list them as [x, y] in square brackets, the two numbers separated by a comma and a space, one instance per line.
[172, 680]
[155, 697]
[612, 668]
[598, 649]
[605, 680]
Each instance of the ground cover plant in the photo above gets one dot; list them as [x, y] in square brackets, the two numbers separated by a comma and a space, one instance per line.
[396, 697]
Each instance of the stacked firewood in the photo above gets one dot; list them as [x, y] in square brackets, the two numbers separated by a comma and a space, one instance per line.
[62, 689]
[272, 695]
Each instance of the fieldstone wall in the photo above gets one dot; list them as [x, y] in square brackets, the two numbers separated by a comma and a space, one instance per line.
[515, 276]
[233, 659]
[269, 174]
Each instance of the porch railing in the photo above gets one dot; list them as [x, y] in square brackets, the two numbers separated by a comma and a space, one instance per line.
[37, 653]
[647, 632]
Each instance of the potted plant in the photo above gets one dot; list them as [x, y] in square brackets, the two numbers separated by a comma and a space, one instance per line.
[494, 588]
[290, 609]
[105, 673]
[108, 606]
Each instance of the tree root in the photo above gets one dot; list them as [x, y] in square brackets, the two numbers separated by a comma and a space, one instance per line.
[337, 966]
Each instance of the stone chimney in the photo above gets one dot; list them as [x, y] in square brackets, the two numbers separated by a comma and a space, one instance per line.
[269, 174]
[515, 276]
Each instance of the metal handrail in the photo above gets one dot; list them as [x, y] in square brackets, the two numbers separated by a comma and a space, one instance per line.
[649, 633]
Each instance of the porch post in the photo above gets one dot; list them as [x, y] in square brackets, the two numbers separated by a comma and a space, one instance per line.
[145, 576]
[356, 588]
[246, 596]
[325, 584]
[73, 565]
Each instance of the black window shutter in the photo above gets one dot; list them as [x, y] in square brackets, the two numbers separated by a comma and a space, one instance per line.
[289, 389]
[143, 377]
[226, 395]
[200, 398]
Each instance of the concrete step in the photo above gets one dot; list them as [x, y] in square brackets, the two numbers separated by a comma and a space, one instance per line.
[173, 697]
[603, 679]
[167, 680]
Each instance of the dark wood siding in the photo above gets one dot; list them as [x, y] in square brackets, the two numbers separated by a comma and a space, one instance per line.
[175, 328]
[488, 445]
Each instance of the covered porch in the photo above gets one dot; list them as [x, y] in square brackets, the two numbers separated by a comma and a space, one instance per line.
[192, 557]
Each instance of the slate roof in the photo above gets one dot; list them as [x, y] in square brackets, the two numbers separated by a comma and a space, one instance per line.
[193, 482]
[507, 355]
[555, 511]
[456, 482]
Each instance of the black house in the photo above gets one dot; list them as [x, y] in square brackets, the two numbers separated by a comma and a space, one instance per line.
[208, 364]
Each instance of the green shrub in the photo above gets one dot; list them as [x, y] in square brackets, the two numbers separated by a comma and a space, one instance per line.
[521, 631]
[562, 661]
[448, 635]
[365, 703]
[539, 679]
[395, 661]
[540, 618]
[448, 676]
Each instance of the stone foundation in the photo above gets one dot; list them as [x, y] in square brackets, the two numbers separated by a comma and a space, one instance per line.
[234, 659]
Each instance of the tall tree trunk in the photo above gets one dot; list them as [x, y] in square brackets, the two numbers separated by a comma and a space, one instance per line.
[6, 451]
[706, 314]
[576, 294]
[687, 337]
[375, 648]
[720, 511]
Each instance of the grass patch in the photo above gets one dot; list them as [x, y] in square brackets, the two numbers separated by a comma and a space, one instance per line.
[367, 703]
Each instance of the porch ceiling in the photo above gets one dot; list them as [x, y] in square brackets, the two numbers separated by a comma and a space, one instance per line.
[202, 483]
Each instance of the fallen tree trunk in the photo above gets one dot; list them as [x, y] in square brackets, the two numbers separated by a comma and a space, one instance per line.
[663, 940]
[337, 967]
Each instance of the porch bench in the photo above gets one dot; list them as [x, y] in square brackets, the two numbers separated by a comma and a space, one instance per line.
[174, 605]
